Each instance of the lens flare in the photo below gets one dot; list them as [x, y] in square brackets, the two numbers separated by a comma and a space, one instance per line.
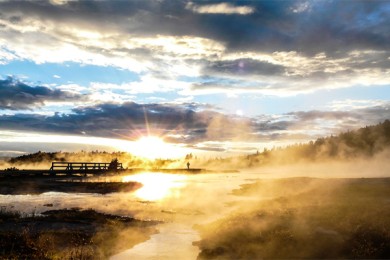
[153, 147]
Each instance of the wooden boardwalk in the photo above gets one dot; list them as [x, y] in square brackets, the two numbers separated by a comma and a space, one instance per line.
[89, 168]
[68, 169]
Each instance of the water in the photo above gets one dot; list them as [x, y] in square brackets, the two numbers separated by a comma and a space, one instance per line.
[180, 201]
[190, 200]
[173, 242]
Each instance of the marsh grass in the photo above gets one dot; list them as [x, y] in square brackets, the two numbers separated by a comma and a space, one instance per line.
[68, 234]
[314, 218]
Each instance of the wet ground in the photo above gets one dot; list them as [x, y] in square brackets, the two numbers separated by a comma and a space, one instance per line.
[181, 202]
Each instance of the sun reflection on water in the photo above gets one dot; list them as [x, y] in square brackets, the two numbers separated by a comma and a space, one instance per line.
[157, 186]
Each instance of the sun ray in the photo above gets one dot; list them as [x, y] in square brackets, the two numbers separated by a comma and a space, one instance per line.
[153, 147]
[146, 122]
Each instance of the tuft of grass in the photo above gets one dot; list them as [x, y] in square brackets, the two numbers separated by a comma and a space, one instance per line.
[69, 234]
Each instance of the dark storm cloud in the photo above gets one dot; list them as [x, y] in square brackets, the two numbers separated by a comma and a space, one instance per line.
[324, 26]
[111, 120]
[128, 115]
[15, 95]
[243, 67]
[187, 124]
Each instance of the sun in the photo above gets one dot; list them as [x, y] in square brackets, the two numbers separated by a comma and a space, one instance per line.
[153, 147]
[151, 141]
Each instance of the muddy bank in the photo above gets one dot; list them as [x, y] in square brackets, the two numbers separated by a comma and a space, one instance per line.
[21, 186]
[69, 234]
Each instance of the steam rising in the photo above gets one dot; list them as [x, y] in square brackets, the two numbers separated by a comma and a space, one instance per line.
[325, 199]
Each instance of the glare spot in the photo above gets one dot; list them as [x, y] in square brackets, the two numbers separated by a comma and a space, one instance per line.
[157, 186]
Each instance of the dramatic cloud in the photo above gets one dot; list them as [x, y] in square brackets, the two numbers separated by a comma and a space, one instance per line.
[193, 124]
[278, 71]
[289, 46]
[15, 95]
[107, 120]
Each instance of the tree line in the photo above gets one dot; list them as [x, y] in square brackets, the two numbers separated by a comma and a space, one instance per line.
[364, 142]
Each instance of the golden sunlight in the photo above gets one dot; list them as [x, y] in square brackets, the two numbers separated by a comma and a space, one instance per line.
[157, 186]
[152, 147]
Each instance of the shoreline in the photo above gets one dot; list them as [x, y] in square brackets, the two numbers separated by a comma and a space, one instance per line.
[44, 173]
[24, 186]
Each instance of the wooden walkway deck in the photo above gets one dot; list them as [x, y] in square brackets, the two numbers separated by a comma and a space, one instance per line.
[89, 168]
[68, 168]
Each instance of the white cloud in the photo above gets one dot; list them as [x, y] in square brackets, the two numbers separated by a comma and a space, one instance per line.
[220, 8]
[28, 137]
[6, 56]
[302, 74]
[107, 96]
[45, 41]
[171, 57]
[183, 100]
[59, 2]
[74, 88]
[146, 84]
[352, 104]
[183, 45]
[50, 41]
[157, 98]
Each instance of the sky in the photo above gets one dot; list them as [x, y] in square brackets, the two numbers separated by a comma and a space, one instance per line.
[219, 77]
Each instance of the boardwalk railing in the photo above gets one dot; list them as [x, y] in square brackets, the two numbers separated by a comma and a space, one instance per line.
[68, 168]
[84, 167]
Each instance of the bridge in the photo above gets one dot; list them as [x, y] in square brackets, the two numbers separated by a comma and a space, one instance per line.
[85, 167]
[69, 168]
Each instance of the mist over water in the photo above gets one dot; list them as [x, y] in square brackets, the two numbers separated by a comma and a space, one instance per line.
[193, 200]
[179, 201]
[182, 202]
